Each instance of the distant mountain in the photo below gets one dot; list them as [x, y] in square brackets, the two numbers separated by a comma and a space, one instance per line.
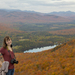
[16, 10]
[9, 10]
[67, 14]
[10, 16]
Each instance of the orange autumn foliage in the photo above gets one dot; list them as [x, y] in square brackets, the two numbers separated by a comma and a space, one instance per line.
[64, 32]
[57, 61]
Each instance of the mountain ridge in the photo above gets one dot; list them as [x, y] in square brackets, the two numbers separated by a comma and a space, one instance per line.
[30, 17]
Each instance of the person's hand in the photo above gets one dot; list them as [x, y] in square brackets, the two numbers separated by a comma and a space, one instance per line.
[0, 53]
[0, 63]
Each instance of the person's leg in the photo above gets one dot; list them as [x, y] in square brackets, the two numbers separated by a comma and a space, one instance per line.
[12, 72]
[9, 72]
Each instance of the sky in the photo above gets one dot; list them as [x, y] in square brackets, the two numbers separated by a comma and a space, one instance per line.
[43, 6]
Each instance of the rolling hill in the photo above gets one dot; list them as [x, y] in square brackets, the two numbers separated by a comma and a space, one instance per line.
[7, 28]
[57, 61]
[64, 32]
[67, 14]
[29, 17]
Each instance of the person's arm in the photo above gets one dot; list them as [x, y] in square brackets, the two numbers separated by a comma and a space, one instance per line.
[1, 62]
[1, 52]
[0, 59]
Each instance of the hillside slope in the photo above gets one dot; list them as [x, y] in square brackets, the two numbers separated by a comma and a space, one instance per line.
[26, 17]
[6, 28]
[67, 14]
[57, 61]
[64, 32]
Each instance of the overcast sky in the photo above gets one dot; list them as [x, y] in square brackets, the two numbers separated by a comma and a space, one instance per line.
[44, 6]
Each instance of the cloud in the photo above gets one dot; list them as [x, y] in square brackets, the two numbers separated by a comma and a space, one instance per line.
[38, 5]
[50, 3]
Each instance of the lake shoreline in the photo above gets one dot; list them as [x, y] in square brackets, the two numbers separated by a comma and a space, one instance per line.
[34, 50]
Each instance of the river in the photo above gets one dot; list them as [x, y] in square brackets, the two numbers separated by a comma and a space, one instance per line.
[39, 49]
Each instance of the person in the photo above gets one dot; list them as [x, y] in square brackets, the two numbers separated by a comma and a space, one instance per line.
[7, 46]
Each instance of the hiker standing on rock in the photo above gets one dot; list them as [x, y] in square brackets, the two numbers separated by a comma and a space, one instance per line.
[8, 55]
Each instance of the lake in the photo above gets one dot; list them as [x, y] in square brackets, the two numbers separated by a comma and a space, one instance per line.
[39, 49]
